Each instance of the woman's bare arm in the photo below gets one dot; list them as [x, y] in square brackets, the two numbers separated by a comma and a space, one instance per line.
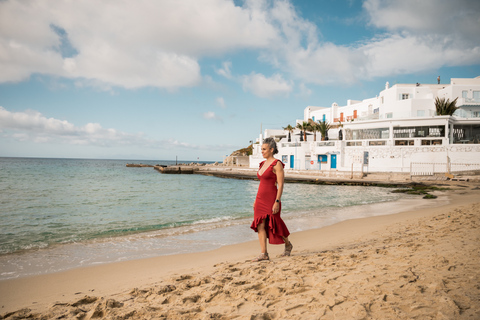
[278, 170]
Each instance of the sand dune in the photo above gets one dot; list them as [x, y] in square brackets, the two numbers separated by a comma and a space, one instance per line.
[424, 268]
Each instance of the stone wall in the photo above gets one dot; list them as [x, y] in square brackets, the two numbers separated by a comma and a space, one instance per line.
[236, 161]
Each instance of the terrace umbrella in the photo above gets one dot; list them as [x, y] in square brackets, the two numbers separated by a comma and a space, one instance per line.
[301, 135]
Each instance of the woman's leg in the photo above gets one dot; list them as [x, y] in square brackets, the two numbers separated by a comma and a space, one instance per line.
[288, 247]
[287, 242]
[262, 236]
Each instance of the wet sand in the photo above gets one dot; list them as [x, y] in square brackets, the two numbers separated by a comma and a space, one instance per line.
[419, 264]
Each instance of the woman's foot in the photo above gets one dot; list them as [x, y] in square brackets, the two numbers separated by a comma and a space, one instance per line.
[261, 257]
[288, 250]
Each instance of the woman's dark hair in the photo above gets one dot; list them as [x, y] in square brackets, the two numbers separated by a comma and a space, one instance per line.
[271, 144]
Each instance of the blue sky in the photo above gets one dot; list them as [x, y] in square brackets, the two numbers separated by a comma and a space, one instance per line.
[199, 79]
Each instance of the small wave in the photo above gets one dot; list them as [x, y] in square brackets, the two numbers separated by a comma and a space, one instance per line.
[213, 220]
[23, 248]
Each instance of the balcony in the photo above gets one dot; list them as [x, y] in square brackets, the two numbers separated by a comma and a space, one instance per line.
[291, 144]
[468, 101]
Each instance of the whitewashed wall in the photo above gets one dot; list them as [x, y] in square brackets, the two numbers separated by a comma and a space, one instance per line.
[398, 159]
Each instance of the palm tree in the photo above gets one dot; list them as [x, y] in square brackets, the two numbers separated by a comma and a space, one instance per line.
[445, 107]
[290, 129]
[304, 127]
[314, 128]
[323, 127]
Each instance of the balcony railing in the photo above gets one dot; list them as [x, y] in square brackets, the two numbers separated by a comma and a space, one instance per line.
[326, 144]
[469, 100]
[291, 144]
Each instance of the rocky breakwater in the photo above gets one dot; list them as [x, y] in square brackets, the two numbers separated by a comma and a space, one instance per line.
[176, 169]
[184, 168]
[139, 165]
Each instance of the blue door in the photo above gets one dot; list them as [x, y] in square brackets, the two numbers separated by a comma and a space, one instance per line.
[291, 161]
[333, 162]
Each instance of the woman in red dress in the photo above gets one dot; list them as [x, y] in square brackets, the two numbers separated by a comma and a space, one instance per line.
[267, 206]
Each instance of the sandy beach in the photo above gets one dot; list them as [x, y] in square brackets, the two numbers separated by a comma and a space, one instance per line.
[419, 264]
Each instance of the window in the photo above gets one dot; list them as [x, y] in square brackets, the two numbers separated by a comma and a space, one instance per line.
[420, 113]
[464, 94]
[377, 143]
[467, 133]
[431, 142]
[416, 132]
[367, 134]
[404, 142]
[476, 96]
[404, 96]
[389, 115]
[354, 143]
[475, 114]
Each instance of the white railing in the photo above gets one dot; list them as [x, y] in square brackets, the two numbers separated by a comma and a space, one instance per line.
[427, 168]
[432, 168]
[326, 144]
[291, 144]
[462, 167]
[469, 100]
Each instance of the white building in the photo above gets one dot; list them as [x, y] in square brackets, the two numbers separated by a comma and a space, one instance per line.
[397, 131]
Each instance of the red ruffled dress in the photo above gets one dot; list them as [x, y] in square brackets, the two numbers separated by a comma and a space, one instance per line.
[266, 195]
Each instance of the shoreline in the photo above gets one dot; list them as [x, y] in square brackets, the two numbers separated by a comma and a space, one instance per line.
[39, 293]
[188, 239]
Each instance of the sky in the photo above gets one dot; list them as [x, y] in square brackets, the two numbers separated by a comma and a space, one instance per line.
[197, 80]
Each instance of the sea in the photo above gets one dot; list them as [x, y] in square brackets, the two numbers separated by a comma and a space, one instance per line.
[58, 214]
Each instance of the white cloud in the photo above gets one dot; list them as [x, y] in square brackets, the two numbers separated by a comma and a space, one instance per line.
[420, 36]
[423, 35]
[452, 18]
[34, 121]
[264, 87]
[158, 69]
[221, 102]
[402, 55]
[210, 115]
[305, 92]
[160, 43]
[225, 70]
[31, 125]
[138, 43]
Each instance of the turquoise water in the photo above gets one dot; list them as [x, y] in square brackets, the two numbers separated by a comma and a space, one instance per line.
[62, 213]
